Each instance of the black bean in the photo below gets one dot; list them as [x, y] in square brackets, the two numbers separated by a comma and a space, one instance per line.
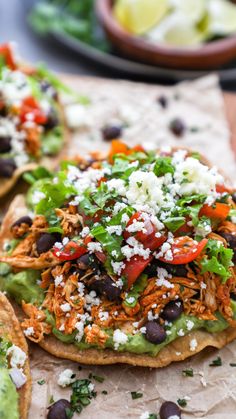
[234, 197]
[111, 132]
[52, 120]
[84, 261]
[3, 111]
[7, 167]
[174, 270]
[233, 296]
[163, 101]
[23, 220]
[58, 410]
[46, 241]
[177, 127]
[5, 144]
[155, 333]
[96, 285]
[48, 88]
[169, 409]
[151, 270]
[109, 289]
[172, 310]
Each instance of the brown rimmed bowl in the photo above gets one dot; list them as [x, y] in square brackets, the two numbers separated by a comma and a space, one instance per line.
[207, 56]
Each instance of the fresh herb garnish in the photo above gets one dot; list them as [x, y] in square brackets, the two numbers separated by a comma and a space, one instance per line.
[232, 364]
[41, 382]
[82, 393]
[216, 362]
[162, 166]
[182, 402]
[135, 395]
[188, 372]
[51, 400]
[104, 392]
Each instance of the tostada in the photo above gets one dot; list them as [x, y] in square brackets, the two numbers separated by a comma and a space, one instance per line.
[125, 258]
[15, 380]
[31, 119]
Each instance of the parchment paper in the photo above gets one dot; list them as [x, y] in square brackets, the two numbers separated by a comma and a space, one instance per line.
[212, 390]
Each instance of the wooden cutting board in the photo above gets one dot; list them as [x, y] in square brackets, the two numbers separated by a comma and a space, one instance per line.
[230, 102]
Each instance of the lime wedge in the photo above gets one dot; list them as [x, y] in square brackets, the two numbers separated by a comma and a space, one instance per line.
[139, 16]
[176, 31]
[193, 10]
[222, 17]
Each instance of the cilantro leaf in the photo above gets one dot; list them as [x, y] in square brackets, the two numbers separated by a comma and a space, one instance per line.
[135, 291]
[162, 166]
[216, 362]
[135, 395]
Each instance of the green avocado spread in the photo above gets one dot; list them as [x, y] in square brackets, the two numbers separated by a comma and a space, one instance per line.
[23, 286]
[8, 392]
[8, 396]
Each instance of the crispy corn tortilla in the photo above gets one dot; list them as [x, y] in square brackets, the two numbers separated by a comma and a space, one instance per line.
[178, 350]
[10, 329]
[49, 162]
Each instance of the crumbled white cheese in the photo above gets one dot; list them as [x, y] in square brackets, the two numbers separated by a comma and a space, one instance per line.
[119, 338]
[189, 324]
[66, 378]
[37, 197]
[58, 280]
[29, 331]
[17, 356]
[116, 229]
[65, 307]
[94, 247]
[193, 345]
[145, 188]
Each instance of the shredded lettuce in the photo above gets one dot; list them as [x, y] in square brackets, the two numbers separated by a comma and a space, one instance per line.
[133, 295]
[110, 242]
[218, 259]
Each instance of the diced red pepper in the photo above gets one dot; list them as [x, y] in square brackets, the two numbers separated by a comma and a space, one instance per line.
[30, 109]
[218, 210]
[223, 189]
[6, 53]
[134, 267]
[71, 250]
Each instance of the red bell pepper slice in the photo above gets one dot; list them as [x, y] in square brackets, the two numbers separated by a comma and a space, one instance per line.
[184, 250]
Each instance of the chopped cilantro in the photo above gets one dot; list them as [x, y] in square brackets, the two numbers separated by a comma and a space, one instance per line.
[98, 378]
[218, 259]
[82, 393]
[152, 416]
[135, 395]
[232, 364]
[162, 166]
[182, 402]
[41, 382]
[216, 362]
[104, 392]
[188, 372]
[51, 400]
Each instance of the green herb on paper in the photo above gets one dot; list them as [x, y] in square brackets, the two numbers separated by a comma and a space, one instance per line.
[188, 372]
[135, 395]
[216, 362]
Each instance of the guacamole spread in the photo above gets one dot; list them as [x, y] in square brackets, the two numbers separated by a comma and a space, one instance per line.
[8, 393]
